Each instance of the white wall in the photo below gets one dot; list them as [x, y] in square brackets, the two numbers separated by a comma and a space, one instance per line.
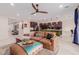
[3, 28]
[3, 31]
[68, 22]
[26, 29]
[4, 35]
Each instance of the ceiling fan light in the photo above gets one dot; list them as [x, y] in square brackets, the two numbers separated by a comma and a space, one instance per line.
[18, 14]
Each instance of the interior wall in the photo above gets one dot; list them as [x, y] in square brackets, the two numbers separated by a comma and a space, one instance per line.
[4, 37]
[26, 29]
[3, 28]
[68, 24]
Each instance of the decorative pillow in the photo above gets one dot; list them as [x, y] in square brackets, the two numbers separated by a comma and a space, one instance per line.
[35, 33]
[49, 36]
[26, 35]
[38, 35]
[37, 38]
[18, 40]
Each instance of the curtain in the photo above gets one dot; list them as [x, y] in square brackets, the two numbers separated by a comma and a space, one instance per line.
[76, 27]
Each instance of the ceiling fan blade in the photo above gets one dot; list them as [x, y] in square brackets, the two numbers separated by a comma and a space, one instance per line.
[34, 6]
[33, 13]
[42, 12]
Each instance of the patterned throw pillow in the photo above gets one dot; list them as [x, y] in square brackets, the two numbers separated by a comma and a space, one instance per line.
[49, 36]
[18, 40]
[38, 35]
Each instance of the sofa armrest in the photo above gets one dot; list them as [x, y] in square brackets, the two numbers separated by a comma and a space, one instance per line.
[17, 50]
[45, 41]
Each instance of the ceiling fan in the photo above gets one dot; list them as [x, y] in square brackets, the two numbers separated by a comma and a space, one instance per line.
[35, 7]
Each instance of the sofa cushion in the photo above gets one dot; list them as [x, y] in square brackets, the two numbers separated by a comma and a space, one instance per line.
[37, 38]
[33, 48]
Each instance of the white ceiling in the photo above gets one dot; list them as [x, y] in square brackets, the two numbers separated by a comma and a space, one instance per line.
[25, 9]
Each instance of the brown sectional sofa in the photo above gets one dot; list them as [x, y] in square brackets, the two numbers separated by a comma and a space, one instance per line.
[15, 49]
[47, 44]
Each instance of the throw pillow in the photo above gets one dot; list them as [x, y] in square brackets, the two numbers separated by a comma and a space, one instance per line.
[49, 36]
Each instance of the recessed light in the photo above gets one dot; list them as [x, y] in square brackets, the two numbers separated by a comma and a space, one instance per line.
[60, 6]
[12, 4]
[18, 14]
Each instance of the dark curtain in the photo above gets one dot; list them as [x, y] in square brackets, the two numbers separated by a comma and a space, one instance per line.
[75, 30]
